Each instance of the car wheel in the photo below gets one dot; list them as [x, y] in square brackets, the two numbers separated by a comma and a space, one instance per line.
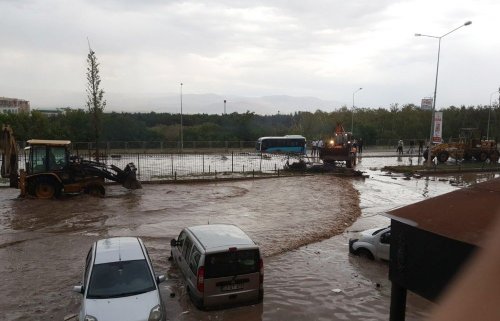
[365, 253]
[197, 302]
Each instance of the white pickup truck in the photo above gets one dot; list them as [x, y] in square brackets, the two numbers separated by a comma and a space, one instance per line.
[373, 243]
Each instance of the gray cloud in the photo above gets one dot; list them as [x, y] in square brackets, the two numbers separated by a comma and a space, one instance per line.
[324, 49]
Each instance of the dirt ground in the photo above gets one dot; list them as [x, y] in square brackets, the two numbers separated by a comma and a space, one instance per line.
[301, 223]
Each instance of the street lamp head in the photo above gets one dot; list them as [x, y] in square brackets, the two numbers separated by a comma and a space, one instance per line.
[467, 23]
[360, 88]
[418, 34]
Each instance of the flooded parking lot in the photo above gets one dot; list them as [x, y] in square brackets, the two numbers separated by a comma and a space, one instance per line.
[301, 223]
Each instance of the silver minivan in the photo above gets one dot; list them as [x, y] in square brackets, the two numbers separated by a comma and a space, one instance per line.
[222, 266]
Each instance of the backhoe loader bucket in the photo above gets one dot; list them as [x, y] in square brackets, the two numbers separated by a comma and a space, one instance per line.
[127, 176]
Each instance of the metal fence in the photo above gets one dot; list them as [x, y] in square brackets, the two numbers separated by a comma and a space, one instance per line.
[185, 166]
[151, 167]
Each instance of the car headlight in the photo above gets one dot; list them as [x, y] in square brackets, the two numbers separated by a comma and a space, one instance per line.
[155, 314]
[90, 318]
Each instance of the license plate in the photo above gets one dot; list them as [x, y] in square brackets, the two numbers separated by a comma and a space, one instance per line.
[232, 287]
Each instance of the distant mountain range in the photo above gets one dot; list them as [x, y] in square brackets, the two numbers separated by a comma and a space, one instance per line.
[214, 104]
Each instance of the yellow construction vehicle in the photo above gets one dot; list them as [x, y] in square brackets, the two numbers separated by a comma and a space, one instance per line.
[50, 170]
[469, 145]
[339, 148]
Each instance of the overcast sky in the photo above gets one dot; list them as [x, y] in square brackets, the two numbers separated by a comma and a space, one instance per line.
[324, 49]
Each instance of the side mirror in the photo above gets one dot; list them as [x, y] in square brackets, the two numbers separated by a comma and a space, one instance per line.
[173, 242]
[78, 289]
[160, 279]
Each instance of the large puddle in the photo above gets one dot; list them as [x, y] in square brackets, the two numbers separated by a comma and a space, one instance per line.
[299, 222]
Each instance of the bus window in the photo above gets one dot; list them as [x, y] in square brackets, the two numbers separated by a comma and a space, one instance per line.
[286, 144]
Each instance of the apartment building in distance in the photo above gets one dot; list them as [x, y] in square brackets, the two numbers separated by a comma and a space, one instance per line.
[14, 105]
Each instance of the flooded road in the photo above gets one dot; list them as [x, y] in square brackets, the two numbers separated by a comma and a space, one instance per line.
[301, 223]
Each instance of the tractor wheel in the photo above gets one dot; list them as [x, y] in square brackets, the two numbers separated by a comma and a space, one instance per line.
[494, 156]
[96, 190]
[467, 156]
[443, 156]
[46, 188]
[483, 156]
[426, 154]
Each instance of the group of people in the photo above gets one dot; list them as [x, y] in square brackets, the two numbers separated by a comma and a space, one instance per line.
[411, 148]
[316, 145]
[358, 144]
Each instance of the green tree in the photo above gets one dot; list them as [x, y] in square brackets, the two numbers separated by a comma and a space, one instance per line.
[95, 97]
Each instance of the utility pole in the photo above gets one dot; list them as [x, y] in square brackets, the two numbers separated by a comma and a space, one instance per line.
[182, 138]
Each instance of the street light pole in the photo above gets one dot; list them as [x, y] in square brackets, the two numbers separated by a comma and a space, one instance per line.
[182, 138]
[224, 106]
[435, 85]
[489, 113]
[352, 113]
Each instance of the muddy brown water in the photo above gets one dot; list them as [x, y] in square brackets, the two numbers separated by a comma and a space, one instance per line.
[302, 225]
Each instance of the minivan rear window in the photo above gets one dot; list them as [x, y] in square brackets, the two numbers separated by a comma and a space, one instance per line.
[231, 263]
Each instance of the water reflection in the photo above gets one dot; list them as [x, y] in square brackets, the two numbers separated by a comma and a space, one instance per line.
[425, 189]
[360, 158]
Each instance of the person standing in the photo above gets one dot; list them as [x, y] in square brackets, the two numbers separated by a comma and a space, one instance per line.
[320, 146]
[360, 145]
[412, 146]
[400, 147]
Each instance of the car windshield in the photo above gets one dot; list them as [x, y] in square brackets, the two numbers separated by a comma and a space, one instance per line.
[379, 230]
[119, 279]
[231, 263]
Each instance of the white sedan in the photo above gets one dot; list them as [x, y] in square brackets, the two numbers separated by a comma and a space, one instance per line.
[374, 243]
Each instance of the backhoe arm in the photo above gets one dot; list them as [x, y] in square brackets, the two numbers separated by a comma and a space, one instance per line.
[126, 177]
[10, 156]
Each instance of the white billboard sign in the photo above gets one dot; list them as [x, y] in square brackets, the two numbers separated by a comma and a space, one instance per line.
[426, 103]
[437, 136]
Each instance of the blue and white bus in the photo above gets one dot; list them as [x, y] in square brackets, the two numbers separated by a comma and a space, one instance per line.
[289, 144]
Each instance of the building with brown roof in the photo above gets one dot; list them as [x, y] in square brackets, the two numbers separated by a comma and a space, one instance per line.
[433, 239]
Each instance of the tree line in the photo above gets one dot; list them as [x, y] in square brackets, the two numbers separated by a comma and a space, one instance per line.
[373, 125]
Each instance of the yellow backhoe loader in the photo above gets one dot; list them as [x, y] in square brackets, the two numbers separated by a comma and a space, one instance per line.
[50, 170]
